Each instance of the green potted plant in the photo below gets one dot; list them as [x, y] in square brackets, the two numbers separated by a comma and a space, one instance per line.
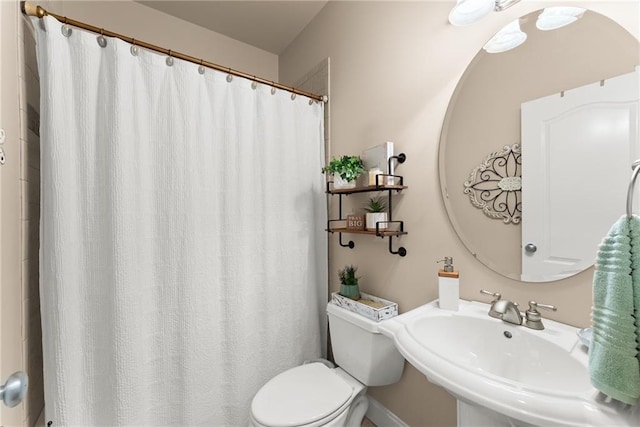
[349, 282]
[345, 170]
[376, 213]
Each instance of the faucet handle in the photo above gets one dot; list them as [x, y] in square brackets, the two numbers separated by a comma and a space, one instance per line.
[496, 295]
[533, 318]
[533, 306]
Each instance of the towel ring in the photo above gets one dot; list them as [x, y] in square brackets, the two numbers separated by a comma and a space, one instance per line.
[636, 169]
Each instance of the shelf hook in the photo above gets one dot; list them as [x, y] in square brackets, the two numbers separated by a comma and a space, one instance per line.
[401, 250]
[349, 245]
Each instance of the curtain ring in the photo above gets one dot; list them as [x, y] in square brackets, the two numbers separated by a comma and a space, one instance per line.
[273, 88]
[66, 28]
[201, 68]
[134, 48]
[169, 60]
[229, 76]
[254, 83]
[293, 96]
[102, 41]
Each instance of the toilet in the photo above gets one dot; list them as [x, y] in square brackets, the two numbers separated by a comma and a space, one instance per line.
[315, 394]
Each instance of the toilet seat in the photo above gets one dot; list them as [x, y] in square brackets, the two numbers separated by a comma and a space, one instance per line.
[301, 396]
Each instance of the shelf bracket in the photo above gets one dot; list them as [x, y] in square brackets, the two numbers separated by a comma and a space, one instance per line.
[349, 245]
[400, 158]
[401, 250]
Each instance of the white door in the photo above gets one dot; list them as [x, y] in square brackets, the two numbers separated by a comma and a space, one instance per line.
[577, 151]
[11, 359]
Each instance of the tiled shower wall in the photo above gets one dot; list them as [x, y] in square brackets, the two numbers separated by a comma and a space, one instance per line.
[30, 215]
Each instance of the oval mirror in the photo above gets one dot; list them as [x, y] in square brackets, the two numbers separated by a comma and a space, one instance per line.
[534, 159]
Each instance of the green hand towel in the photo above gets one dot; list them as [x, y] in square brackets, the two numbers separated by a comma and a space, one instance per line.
[614, 367]
[634, 224]
[609, 373]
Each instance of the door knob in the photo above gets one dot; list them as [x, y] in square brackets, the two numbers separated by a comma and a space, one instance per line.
[530, 248]
[15, 389]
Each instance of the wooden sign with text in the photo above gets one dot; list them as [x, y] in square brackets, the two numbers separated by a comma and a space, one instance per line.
[355, 222]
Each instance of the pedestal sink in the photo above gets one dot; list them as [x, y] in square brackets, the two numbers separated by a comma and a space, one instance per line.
[496, 369]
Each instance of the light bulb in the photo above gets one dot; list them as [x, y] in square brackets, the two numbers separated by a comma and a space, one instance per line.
[553, 18]
[466, 12]
[506, 39]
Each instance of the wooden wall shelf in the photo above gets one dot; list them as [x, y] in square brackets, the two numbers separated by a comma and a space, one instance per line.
[381, 233]
[397, 226]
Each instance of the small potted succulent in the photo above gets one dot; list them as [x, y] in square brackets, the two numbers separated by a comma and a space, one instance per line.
[376, 213]
[345, 170]
[349, 282]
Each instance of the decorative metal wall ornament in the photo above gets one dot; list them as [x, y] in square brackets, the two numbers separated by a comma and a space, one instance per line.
[496, 185]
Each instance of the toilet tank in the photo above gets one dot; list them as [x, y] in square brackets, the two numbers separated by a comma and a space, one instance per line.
[361, 350]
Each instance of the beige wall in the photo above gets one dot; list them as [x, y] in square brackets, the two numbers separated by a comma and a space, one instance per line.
[143, 23]
[394, 67]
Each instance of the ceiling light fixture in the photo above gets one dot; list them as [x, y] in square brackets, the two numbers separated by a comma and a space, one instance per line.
[466, 12]
[553, 18]
[506, 39]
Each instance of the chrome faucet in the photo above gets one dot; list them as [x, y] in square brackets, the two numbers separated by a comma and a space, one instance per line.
[508, 311]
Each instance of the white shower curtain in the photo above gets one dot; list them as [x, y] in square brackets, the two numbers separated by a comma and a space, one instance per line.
[183, 257]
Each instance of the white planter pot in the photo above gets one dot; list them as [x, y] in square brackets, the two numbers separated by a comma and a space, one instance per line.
[373, 218]
[341, 184]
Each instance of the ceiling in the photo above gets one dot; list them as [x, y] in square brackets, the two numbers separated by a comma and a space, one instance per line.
[268, 25]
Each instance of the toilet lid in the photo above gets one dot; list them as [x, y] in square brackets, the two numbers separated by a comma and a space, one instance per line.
[301, 395]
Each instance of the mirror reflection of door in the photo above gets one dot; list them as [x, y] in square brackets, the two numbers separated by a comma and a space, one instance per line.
[577, 148]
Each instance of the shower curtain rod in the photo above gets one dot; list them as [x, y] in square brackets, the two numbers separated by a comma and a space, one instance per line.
[33, 10]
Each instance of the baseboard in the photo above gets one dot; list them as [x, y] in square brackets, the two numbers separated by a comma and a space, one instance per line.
[381, 416]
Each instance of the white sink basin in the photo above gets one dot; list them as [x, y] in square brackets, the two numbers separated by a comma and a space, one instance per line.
[538, 377]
